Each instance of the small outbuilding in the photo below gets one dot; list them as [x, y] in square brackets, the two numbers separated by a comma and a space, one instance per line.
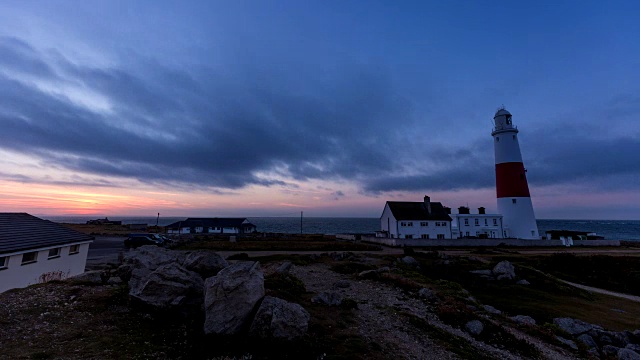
[33, 250]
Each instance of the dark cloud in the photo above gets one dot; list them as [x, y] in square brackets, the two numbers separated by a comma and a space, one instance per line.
[233, 128]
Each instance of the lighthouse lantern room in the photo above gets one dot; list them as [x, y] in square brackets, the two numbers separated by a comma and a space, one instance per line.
[514, 200]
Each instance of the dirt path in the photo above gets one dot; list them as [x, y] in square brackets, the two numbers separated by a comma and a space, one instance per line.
[603, 291]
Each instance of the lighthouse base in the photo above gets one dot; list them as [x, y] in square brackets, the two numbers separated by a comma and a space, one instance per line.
[519, 221]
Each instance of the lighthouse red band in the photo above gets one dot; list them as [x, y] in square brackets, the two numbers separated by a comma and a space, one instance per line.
[511, 180]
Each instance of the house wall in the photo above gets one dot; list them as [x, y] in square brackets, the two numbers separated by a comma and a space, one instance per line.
[414, 229]
[17, 275]
[388, 222]
[459, 229]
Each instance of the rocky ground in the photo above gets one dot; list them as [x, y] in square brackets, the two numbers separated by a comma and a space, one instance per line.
[178, 305]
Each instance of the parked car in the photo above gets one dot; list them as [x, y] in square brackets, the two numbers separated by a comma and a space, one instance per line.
[137, 240]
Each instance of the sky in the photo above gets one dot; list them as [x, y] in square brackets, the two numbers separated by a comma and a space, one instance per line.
[270, 108]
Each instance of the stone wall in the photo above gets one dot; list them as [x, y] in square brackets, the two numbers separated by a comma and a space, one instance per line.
[485, 242]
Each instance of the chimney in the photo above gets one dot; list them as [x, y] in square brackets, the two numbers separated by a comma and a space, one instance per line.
[463, 210]
[447, 210]
[481, 210]
[427, 203]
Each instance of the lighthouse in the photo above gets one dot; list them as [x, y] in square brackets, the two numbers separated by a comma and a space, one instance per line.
[514, 201]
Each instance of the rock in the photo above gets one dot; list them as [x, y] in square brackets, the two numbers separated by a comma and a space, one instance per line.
[384, 269]
[277, 318]
[409, 261]
[327, 298]
[482, 272]
[524, 319]
[567, 342]
[628, 354]
[168, 286]
[523, 282]
[504, 270]
[94, 277]
[205, 263]
[231, 296]
[369, 274]
[427, 294]
[634, 347]
[284, 268]
[610, 350]
[124, 272]
[491, 309]
[474, 327]
[588, 340]
[342, 284]
[151, 257]
[574, 326]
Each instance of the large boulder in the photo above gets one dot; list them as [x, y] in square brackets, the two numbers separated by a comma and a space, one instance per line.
[169, 285]
[277, 318]
[152, 257]
[205, 263]
[474, 327]
[628, 354]
[504, 270]
[231, 296]
[410, 261]
[524, 319]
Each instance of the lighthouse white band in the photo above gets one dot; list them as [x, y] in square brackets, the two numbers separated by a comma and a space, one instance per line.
[519, 219]
[507, 148]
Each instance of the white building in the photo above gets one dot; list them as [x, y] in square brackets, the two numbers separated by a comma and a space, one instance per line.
[415, 220]
[34, 251]
[480, 225]
[211, 226]
[512, 190]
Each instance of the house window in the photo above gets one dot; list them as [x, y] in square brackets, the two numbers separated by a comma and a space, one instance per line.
[486, 222]
[477, 233]
[403, 224]
[495, 222]
[513, 201]
[4, 262]
[467, 233]
[54, 253]
[466, 222]
[477, 222]
[424, 223]
[30, 257]
[408, 236]
[410, 223]
[74, 249]
[424, 236]
[440, 236]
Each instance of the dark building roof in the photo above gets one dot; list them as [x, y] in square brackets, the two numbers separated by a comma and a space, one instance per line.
[21, 231]
[409, 210]
[210, 222]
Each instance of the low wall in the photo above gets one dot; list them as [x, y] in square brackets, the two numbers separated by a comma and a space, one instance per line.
[484, 242]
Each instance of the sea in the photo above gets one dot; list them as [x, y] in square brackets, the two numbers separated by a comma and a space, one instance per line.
[610, 229]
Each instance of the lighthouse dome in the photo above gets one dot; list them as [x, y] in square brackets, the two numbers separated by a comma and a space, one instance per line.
[501, 112]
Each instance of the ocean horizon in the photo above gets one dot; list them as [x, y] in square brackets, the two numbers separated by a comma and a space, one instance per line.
[610, 229]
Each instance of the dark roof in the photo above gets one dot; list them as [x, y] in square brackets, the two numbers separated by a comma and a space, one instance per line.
[21, 231]
[209, 222]
[408, 210]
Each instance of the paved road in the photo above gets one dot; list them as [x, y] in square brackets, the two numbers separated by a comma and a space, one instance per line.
[603, 291]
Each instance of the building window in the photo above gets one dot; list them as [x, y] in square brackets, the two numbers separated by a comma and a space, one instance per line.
[440, 236]
[424, 236]
[513, 201]
[424, 223]
[30, 257]
[4, 262]
[467, 233]
[403, 224]
[533, 233]
[477, 233]
[486, 222]
[466, 222]
[74, 249]
[497, 138]
[410, 223]
[54, 253]
[408, 236]
[477, 222]
[495, 222]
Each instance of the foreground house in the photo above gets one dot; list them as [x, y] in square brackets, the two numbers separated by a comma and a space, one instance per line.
[211, 226]
[415, 220]
[33, 251]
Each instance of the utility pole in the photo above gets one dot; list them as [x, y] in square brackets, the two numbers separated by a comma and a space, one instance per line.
[157, 219]
[301, 222]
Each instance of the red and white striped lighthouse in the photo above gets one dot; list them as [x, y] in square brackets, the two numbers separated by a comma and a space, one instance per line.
[514, 201]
